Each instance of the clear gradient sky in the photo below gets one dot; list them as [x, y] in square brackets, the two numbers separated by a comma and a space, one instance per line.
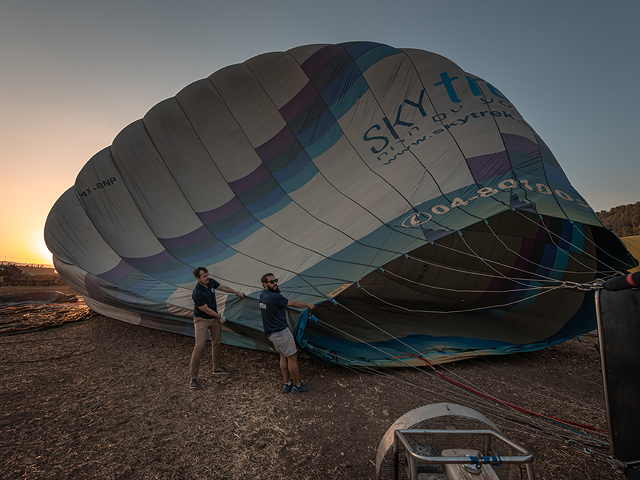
[73, 73]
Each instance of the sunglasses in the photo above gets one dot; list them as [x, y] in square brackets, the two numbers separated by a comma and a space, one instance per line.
[273, 281]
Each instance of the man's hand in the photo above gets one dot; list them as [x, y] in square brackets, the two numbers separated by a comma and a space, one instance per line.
[240, 294]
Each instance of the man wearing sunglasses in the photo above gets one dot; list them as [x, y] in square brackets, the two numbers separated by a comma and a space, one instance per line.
[207, 318]
[276, 328]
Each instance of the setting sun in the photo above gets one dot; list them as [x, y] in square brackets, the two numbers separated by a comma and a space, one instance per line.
[41, 251]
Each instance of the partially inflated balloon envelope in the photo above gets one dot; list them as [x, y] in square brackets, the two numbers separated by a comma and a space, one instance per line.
[404, 197]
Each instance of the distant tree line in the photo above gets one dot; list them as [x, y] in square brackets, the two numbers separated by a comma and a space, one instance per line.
[623, 220]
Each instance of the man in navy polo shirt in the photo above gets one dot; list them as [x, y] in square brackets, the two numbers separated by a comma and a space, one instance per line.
[206, 318]
[276, 328]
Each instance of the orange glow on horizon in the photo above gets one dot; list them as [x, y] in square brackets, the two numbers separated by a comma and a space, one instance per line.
[31, 250]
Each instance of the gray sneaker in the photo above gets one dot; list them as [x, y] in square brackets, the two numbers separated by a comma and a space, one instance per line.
[194, 383]
[221, 371]
[286, 388]
[300, 388]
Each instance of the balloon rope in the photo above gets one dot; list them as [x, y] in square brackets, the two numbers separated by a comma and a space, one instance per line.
[551, 234]
[548, 289]
[502, 402]
[450, 396]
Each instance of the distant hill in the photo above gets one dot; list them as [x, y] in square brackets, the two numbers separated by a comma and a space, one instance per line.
[38, 270]
[633, 245]
[32, 268]
[623, 220]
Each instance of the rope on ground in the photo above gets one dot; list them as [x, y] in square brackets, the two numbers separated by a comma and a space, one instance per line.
[510, 405]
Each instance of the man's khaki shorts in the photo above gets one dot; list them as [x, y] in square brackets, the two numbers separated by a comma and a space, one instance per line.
[284, 342]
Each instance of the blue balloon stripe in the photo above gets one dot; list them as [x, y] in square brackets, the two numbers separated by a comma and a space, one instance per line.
[276, 144]
[485, 167]
[120, 271]
[204, 245]
[309, 117]
[260, 191]
[341, 85]
[326, 142]
[357, 49]
[146, 286]
[176, 276]
[284, 158]
[205, 256]
[577, 240]
[254, 180]
[309, 171]
[298, 164]
[374, 55]
[160, 258]
[332, 72]
[557, 176]
[317, 130]
[240, 231]
[232, 207]
[526, 299]
[242, 235]
[300, 102]
[320, 59]
[350, 97]
[187, 240]
[233, 221]
[276, 207]
[266, 202]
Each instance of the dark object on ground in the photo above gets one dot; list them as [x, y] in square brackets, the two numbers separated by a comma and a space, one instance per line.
[619, 333]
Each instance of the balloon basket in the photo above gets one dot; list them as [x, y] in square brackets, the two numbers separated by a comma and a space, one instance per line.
[450, 442]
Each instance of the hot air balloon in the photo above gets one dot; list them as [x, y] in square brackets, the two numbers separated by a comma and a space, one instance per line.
[404, 197]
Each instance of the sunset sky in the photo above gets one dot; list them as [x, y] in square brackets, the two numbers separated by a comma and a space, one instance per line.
[74, 73]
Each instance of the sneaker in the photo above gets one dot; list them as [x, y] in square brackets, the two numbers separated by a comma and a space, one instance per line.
[286, 388]
[221, 371]
[300, 388]
[194, 383]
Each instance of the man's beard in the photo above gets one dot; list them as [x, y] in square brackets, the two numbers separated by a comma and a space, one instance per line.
[273, 288]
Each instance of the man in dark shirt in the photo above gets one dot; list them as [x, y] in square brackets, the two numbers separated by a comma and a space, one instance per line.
[206, 318]
[276, 328]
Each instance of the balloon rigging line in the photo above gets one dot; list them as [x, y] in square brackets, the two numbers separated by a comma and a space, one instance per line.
[443, 266]
[559, 421]
[488, 307]
[552, 234]
[527, 260]
[533, 391]
[508, 404]
[467, 290]
[554, 240]
[590, 271]
[500, 274]
[402, 343]
[482, 274]
[536, 276]
[488, 399]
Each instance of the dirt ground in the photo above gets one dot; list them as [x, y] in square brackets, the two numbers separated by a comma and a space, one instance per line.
[100, 398]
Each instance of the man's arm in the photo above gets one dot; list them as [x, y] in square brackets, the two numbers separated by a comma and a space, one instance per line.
[224, 288]
[297, 304]
[205, 308]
